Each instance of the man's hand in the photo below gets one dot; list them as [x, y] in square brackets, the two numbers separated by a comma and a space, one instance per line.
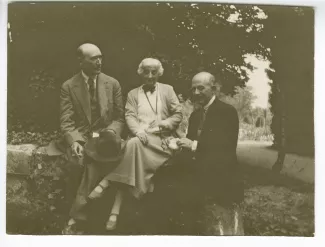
[185, 143]
[143, 137]
[77, 149]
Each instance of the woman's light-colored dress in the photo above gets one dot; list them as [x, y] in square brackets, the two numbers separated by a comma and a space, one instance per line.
[140, 162]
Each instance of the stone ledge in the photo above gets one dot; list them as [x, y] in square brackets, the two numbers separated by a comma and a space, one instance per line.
[30, 160]
[35, 181]
[19, 158]
[33, 162]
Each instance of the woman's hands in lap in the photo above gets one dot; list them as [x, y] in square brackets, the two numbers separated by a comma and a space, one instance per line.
[143, 137]
[160, 124]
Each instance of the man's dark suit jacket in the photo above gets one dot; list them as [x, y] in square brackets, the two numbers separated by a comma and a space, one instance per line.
[216, 167]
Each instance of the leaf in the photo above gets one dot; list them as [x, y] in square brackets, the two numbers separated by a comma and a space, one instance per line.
[294, 218]
[57, 191]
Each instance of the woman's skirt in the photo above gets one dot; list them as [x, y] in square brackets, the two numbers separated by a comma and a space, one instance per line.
[139, 164]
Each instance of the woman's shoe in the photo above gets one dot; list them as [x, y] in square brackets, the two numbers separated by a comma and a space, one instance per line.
[98, 191]
[111, 223]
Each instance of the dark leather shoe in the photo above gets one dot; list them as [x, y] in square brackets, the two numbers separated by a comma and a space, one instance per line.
[72, 229]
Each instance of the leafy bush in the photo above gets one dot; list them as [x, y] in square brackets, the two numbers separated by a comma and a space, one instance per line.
[45, 36]
[34, 105]
[250, 132]
[40, 138]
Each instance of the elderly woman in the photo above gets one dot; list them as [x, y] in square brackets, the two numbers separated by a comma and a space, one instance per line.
[152, 113]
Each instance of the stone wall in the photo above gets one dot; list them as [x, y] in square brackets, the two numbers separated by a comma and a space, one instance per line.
[35, 184]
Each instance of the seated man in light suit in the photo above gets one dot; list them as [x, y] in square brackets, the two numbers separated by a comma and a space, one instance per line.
[90, 102]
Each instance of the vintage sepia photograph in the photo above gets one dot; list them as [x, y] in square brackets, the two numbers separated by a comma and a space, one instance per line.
[160, 118]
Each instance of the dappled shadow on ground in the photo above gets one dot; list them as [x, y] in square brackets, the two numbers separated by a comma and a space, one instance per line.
[274, 205]
[257, 176]
[277, 204]
[301, 151]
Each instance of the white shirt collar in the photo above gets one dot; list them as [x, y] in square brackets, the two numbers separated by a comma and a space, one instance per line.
[86, 77]
[210, 102]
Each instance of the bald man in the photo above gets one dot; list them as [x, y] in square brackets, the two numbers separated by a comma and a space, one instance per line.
[212, 141]
[90, 102]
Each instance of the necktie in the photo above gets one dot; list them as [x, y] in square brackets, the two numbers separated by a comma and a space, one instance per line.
[202, 114]
[91, 85]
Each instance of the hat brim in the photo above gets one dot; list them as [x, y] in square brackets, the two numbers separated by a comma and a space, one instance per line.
[90, 150]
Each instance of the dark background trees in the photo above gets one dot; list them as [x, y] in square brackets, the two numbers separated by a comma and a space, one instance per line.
[187, 38]
[289, 33]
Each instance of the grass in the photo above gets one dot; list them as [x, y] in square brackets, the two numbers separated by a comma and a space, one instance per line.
[275, 205]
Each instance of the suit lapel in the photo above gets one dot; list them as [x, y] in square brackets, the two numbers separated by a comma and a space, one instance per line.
[80, 90]
[211, 110]
[102, 95]
[194, 125]
[210, 114]
[162, 95]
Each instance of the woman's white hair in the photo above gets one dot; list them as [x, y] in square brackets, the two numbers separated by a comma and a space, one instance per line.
[151, 61]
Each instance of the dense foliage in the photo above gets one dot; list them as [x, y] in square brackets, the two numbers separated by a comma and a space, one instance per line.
[187, 38]
[290, 35]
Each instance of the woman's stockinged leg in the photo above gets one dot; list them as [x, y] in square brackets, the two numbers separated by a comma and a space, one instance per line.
[117, 203]
[115, 211]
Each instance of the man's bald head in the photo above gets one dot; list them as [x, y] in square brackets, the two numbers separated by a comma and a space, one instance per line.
[87, 49]
[203, 88]
[204, 77]
[90, 59]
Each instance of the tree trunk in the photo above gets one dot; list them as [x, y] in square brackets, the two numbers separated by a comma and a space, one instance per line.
[278, 165]
[265, 115]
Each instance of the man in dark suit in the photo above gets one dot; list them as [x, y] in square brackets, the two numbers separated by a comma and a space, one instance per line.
[90, 102]
[212, 141]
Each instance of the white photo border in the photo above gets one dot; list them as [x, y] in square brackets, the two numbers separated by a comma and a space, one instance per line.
[318, 240]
